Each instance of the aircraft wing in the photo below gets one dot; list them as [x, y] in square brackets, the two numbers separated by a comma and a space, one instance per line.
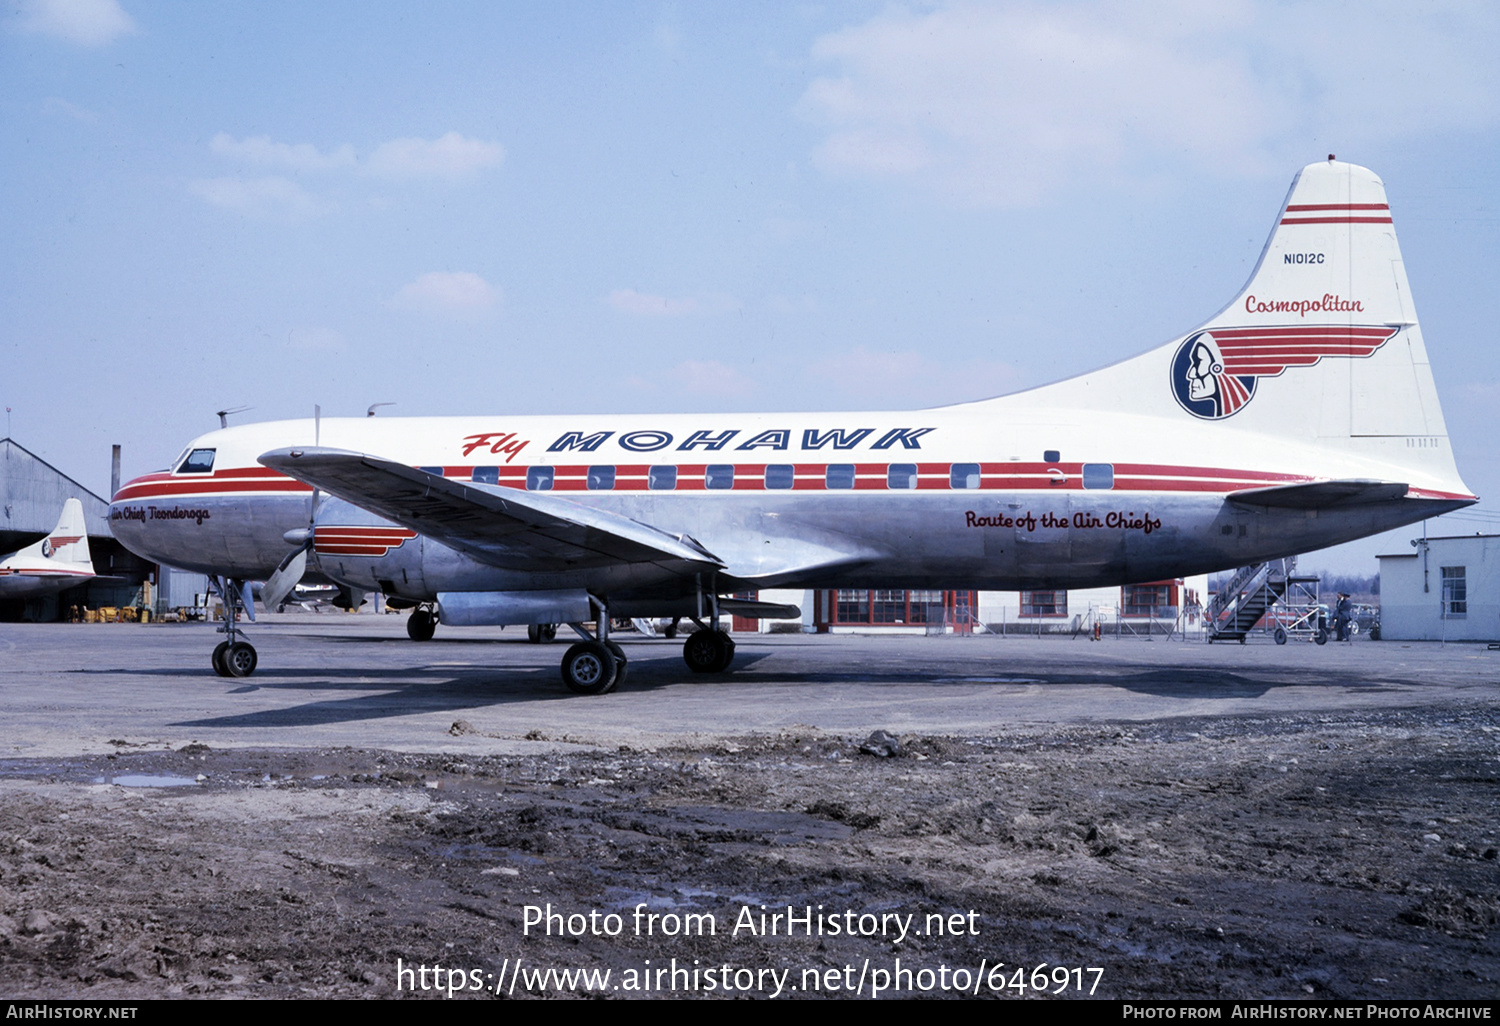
[513, 530]
[1321, 494]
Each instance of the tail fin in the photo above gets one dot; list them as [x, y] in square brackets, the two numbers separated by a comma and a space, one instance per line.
[68, 544]
[1321, 348]
[1325, 324]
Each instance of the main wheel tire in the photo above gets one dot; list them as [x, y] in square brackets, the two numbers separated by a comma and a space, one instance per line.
[621, 663]
[421, 625]
[708, 651]
[589, 668]
[240, 659]
[541, 633]
[1279, 635]
[728, 656]
[218, 659]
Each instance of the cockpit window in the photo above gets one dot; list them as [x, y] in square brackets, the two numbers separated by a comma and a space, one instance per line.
[199, 461]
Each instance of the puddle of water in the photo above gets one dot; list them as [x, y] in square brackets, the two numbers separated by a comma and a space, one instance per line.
[146, 780]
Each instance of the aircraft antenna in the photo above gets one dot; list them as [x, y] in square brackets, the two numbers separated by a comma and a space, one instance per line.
[375, 406]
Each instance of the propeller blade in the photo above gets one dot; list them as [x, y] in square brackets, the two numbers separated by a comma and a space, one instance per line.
[281, 583]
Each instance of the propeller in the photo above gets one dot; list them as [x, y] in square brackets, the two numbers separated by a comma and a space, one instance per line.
[290, 570]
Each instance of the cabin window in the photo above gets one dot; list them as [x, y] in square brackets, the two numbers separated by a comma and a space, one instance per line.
[719, 475]
[1098, 475]
[1051, 456]
[840, 475]
[601, 479]
[436, 471]
[1455, 593]
[780, 475]
[539, 479]
[963, 475]
[199, 461]
[901, 475]
[487, 475]
[661, 479]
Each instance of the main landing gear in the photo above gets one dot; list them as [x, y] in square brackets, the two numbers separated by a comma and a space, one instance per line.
[422, 622]
[595, 665]
[233, 657]
[708, 650]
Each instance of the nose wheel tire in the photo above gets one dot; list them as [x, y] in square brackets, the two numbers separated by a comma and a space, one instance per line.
[589, 668]
[708, 651]
[420, 625]
[240, 659]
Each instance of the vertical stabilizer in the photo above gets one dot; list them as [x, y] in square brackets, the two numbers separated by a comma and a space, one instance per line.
[1325, 324]
[68, 544]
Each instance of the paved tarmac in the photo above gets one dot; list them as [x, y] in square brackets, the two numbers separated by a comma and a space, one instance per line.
[340, 680]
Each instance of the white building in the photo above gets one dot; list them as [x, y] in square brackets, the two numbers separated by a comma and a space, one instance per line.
[1157, 607]
[1445, 589]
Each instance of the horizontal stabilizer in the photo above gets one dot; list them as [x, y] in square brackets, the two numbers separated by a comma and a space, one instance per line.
[509, 529]
[1321, 494]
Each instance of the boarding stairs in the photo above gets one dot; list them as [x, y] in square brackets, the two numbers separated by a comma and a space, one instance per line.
[1248, 596]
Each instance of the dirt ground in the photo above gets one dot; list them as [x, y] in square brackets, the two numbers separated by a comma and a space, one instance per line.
[1348, 855]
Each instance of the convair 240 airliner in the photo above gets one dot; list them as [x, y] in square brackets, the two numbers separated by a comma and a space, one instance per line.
[1301, 415]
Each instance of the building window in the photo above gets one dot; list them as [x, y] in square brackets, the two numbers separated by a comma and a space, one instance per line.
[896, 607]
[854, 606]
[1044, 603]
[1455, 593]
[539, 479]
[1146, 600]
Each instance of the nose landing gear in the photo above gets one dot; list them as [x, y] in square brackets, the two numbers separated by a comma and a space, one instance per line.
[233, 657]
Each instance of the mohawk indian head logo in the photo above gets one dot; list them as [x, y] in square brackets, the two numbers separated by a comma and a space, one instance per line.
[1215, 373]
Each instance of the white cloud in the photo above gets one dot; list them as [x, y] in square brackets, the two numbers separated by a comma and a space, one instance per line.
[865, 377]
[72, 110]
[1002, 105]
[85, 22]
[710, 377]
[316, 340]
[273, 196]
[261, 150]
[460, 294]
[452, 157]
[644, 304]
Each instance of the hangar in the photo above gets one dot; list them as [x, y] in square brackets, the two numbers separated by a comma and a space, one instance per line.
[32, 493]
[1446, 589]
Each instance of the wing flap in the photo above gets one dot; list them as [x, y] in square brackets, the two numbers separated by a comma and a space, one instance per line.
[509, 529]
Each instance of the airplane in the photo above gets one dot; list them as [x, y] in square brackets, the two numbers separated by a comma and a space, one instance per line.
[57, 562]
[1301, 415]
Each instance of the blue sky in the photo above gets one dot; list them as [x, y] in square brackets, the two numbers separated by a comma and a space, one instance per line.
[647, 207]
